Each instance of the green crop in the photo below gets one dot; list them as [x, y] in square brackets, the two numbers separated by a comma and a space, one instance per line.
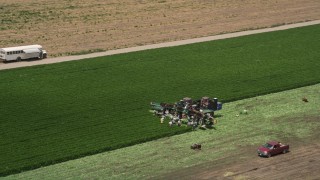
[279, 116]
[53, 113]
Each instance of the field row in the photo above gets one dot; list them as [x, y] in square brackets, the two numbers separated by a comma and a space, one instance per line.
[279, 116]
[57, 112]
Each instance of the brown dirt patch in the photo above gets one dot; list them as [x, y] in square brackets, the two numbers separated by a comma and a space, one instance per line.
[302, 162]
[83, 25]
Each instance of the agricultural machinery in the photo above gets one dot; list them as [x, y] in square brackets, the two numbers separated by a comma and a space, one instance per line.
[186, 111]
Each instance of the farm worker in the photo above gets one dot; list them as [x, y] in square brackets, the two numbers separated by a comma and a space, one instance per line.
[175, 119]
[194, 125]
[161, 120]
[179, 123]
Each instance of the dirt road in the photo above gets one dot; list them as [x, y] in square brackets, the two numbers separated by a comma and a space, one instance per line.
[153, 46]
[81, 26]
[302, 162]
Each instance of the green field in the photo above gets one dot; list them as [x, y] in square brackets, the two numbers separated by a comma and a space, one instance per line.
[53, 113]
[279, 116]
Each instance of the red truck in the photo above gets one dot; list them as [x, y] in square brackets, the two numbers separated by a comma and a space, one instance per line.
[272, 148]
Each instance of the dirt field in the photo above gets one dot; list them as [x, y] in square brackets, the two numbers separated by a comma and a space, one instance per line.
[302, 162]
[82, 26]
[33, 62]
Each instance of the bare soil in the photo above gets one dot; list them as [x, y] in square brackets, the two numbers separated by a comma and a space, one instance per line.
[33, 62]
[83, 26]
[302, 162]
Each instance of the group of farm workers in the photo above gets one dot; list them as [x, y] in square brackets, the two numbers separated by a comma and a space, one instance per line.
[185, 112]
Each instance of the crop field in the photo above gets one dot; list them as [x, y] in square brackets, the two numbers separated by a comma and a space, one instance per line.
[53, 113]
[84, 26]
[226, 151]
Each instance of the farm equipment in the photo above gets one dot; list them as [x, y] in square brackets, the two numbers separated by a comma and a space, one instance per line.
[162, 108]
[189, 112]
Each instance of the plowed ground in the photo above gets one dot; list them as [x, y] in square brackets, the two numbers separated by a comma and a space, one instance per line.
[82, 26]
[302, 162]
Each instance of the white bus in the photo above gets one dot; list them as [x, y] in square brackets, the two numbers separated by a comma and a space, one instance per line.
[22, 52]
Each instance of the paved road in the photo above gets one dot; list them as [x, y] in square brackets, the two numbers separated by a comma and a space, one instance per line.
[152, 46]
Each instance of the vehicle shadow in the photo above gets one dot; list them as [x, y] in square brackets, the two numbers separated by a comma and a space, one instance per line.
[22, 60]
[274, 155]
[32, 59]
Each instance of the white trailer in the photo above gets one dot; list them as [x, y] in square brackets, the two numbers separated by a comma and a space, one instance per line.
[22, 52]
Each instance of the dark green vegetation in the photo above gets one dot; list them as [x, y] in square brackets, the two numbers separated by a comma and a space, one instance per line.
[58, 112]
[279, 116]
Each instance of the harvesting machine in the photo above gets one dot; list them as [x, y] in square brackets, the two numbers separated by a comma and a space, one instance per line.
[194, 113]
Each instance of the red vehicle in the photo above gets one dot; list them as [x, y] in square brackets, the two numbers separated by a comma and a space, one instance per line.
[272, 148]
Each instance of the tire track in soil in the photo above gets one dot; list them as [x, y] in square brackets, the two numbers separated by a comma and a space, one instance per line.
[300, 163]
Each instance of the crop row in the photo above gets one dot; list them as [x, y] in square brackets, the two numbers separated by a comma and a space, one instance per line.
[53, 113]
